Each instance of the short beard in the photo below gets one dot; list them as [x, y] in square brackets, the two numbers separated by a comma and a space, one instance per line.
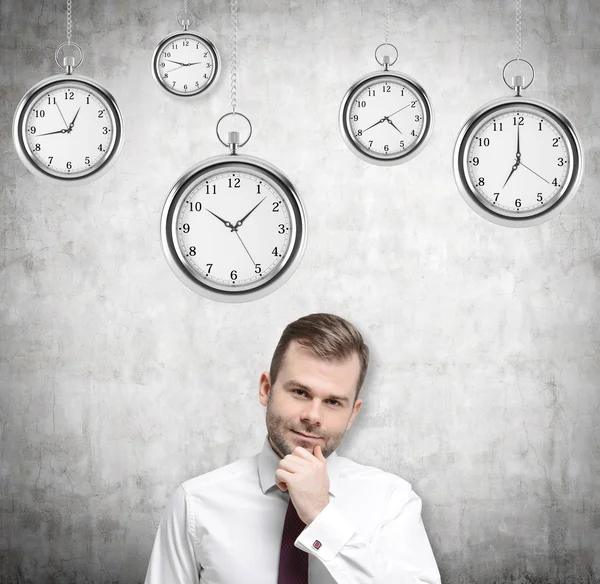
[276, 428]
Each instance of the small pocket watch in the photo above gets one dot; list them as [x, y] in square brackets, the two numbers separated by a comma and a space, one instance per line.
[185, 63]
[233, 228]
[518, 161]
[386, 117]
[67, 128]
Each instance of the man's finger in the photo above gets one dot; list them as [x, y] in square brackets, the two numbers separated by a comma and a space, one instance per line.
[283, 477]
[301, 452]
[293, 463]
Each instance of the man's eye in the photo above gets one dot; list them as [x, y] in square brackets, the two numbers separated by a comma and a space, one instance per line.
[299, 391]
[337, 403]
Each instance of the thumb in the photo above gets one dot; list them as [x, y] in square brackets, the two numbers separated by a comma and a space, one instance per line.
[318, 452]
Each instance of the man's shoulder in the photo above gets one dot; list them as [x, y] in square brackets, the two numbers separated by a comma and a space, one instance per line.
[378, 477]
[223, 475]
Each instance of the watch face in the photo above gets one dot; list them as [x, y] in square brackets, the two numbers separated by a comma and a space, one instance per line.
[67, 129]
[235, 229]
[386, 118]
[517, 161]
[185, 64]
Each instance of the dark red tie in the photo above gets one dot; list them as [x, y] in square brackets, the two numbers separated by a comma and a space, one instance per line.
[293, 562]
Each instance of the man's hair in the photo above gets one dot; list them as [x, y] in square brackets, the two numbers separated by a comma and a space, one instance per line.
[327, 336]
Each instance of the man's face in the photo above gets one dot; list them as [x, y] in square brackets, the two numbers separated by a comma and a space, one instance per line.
[311, 402]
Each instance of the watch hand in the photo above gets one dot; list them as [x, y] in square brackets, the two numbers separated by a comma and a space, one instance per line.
[239, 223]
[518, 147]
[535, 173]
[226, 223]
[379, 122]
[72, 124]
[174, 69]
[515, 166]
[176, 62]
[63, 131]
[394, 125]
[253, 262]
[63, 117]
[398, 111]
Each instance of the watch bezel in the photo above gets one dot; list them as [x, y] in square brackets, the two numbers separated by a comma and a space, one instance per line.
[213, 290]
[19, 130]
[216, 68]
[380, 159]
[510, 218]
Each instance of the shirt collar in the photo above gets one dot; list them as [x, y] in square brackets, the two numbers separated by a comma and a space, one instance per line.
[268, 463]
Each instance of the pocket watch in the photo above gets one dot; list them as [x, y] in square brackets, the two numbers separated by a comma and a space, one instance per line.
[386, 117]
[67, 128]
[233, 228]
[518, 161]
[185, 63]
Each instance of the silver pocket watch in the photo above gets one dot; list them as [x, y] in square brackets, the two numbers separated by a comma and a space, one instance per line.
[518, 161]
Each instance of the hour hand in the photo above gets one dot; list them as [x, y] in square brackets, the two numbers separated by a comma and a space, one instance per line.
[393, 125]
[177, 62]
[72, 124]
[515, 166]
[226, 223]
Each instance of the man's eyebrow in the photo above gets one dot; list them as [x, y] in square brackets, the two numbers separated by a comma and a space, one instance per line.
[297, 385]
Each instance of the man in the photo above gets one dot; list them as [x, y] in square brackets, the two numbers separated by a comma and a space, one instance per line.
[297, 513]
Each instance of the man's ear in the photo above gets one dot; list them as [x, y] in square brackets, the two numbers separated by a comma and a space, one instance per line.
[355, 411]
[264, 387]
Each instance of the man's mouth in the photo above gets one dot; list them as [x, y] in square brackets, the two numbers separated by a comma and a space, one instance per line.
[307, 435]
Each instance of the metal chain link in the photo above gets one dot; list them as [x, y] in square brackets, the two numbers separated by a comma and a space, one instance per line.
[233, 54]
[185, 5]
[518, 29]
[69, 22]
[387, 19]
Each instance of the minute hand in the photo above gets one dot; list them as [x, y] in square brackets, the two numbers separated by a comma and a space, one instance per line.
[241, 221]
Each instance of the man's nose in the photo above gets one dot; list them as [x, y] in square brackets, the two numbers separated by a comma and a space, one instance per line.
[312, 413]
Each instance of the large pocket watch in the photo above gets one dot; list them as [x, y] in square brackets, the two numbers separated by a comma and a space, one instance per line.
[233, 228]
[518, 161]
[67, 128]
[185, 63]
[386, 117]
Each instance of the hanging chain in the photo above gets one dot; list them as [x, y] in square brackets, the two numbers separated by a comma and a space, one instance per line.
[185, 8]
[387, 20]
[233, 54]
[69, 22]
[518, 29]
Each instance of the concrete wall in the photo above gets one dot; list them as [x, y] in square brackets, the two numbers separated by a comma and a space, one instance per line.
[117, 382]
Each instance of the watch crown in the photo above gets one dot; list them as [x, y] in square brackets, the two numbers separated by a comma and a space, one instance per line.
[234, 140]
[517, 83]
[69, 64]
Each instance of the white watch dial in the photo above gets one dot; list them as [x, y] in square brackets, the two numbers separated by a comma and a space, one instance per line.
[69, 129]
[186, 64]
[233, 229]
[386, 117]
[518, 160]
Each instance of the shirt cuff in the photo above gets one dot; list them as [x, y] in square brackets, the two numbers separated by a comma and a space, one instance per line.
[326, 535]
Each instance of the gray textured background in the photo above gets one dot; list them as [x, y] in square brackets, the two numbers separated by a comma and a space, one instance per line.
[117, 382]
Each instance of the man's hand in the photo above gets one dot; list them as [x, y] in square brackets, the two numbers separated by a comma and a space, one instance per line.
[304, 475]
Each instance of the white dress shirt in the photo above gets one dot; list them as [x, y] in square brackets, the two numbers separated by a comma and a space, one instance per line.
[225, 527]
